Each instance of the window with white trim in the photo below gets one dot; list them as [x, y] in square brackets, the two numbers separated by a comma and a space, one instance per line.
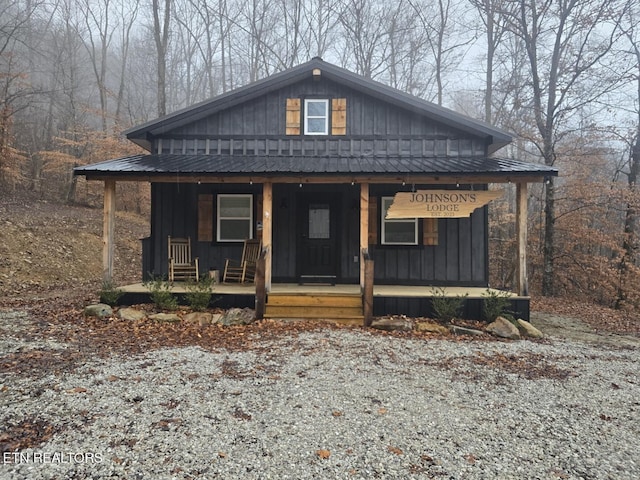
[397, 231]
[235, 217]
[316, 117]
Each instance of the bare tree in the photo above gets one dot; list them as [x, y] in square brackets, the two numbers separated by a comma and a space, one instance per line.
[492, 16]
[161, 23]
[446, 38]
[127, 16]
[320, 17]
[564, 40]
[631, 164]
[16, 89]
[365, 34]
[97, 38]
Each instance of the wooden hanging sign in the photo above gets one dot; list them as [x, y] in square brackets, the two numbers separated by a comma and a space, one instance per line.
[439, 203]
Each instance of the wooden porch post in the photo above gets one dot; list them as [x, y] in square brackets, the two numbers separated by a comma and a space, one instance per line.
[108, 227]
[521, 228]
[267, 215]
[364, 228]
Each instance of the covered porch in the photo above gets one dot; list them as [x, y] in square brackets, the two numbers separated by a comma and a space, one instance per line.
[365, 294]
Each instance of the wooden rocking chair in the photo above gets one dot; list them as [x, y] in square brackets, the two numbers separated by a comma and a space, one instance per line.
[181, 266]
[245, 269]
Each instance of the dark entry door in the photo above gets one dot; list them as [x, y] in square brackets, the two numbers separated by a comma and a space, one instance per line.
[317, 235]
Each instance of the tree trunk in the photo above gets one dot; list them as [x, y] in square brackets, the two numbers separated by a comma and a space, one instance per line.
[161, 37]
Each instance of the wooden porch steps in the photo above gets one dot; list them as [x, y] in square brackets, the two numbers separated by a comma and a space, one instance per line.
[341, 307]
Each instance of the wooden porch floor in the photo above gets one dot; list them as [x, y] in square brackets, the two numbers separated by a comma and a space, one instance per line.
[340, 289]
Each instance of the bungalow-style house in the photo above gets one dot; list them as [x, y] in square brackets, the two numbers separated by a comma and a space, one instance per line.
[327, 169]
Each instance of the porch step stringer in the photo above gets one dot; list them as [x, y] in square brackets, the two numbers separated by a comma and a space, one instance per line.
[342, 308]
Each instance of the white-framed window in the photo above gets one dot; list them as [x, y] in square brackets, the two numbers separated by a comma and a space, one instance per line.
[397, 231]
[316, 117]
[235, 217]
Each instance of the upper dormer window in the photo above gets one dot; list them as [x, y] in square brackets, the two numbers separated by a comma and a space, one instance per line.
[316, 117]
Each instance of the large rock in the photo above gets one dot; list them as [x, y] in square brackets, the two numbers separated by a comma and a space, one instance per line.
[238, 316]
[528, 330]
[501, 327]
[201, 318]
[131, 314]
[100, 310]
[165, 317]
[397, 324]
[431, 328]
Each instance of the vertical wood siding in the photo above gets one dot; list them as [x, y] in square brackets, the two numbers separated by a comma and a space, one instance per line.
[459, 257]
[366, 118]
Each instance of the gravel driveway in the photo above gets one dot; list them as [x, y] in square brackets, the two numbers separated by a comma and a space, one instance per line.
[326, 404]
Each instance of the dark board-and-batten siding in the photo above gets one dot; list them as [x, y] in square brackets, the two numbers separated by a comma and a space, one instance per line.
[258, 127]
[460, 258]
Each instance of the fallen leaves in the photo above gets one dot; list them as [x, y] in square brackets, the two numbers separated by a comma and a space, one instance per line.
[395, 450]
[241, 414]
[76, 390]
[28, 433]
[39, 362]
[323, 454]
[528, 365]
[166, 423]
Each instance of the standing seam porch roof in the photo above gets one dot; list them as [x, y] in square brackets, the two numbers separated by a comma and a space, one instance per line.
[222, 165]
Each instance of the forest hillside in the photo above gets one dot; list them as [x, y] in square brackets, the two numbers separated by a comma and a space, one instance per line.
[50, 250]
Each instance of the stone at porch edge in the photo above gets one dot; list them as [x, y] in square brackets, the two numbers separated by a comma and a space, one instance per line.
[165, 317]
[528, 330]
[130, 314]
[100, 310]
[238, 316]
[202, 318]
[501, 327]
[396, 324]
[431, 327]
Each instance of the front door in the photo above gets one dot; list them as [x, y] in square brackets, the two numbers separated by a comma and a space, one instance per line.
[317, 235]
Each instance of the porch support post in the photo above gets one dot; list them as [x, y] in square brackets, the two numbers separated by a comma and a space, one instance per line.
[364, 228]
[521, 228]
[267, 215]
[108, 228]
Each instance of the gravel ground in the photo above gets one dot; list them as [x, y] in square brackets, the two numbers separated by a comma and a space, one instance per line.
[330, 404]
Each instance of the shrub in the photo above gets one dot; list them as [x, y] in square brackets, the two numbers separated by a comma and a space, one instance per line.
[161, 296]
[109, 293]
[446, 307]
[199, 293]
[496, 304]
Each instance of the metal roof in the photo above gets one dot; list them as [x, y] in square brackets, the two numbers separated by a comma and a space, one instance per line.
[265, 165]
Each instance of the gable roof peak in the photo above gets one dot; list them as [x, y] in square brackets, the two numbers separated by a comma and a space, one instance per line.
[318, 68]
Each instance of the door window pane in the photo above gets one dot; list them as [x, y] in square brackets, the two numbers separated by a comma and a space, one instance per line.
[319, 221]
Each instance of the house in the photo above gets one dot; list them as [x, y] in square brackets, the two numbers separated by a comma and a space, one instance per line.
[310, 160]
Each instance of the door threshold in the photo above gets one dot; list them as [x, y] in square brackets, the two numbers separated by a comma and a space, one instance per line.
[317, 279]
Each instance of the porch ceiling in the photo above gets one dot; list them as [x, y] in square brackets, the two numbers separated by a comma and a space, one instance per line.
[162, 165]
